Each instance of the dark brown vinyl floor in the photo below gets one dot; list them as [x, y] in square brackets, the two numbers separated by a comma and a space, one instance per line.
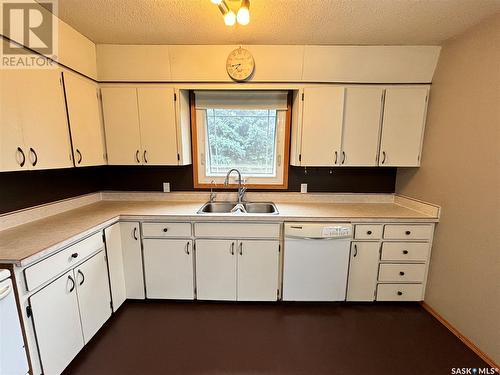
[156, 337]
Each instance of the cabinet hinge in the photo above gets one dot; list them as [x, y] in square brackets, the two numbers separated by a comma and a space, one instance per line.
[302, 96]
[29, 313]
[279, 248]
[61, 81]
[111, 305]
[300, 157]
[178, 157]
[277, 293]
[175, 97]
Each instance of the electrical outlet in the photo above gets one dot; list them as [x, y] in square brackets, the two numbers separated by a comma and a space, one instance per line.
[166, 187]
[303, 188]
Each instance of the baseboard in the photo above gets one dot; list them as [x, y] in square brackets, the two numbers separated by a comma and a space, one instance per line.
[462, 337]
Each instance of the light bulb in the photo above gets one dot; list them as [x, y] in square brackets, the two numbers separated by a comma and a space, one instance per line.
[243, 16]
[230, 18]
[216, 2]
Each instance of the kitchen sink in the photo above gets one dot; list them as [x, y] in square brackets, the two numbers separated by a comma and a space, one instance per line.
[250, 208]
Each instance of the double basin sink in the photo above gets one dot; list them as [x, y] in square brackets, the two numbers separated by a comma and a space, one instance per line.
[233, 208]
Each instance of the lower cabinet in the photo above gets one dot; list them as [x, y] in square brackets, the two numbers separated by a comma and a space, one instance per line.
[69, 311]
[168, 268]
[243, 270]
[363, 268]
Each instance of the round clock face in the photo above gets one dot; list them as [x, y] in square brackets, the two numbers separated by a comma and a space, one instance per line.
[240, 64]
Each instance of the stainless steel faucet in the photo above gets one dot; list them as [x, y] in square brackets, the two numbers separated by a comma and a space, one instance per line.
[213, 194]
[241, 190]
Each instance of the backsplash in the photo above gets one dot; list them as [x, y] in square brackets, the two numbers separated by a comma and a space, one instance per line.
[20, 190]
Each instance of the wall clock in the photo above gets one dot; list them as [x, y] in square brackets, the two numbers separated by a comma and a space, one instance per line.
[240, 64]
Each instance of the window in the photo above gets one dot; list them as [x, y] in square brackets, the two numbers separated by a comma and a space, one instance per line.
[245, 130]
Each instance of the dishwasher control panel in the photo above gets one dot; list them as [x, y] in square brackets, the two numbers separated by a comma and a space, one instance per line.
[318, 230]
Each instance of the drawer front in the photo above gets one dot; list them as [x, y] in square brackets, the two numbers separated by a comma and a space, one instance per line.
[401, 272]
[399, 292]
[408, 232]
[161, 230]
[368, 232]
[412, 251]
[237, 230]
[58, 263]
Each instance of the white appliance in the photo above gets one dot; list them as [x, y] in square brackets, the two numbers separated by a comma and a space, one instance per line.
[316, 261]
[13, 359]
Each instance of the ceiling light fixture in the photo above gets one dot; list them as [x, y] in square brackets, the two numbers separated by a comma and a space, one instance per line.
[230, 18]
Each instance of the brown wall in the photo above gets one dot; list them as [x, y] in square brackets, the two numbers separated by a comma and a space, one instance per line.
[461, 172]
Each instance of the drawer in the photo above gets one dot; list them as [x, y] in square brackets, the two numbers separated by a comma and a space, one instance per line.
[160, 230]
[401, 272]
[408, 232]
[399, 292]
[58, 263]
[368, 232]
[414, 251]
[237, 230]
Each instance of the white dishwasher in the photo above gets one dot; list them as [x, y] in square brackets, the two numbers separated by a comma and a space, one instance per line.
[13, 359]
[316, 261]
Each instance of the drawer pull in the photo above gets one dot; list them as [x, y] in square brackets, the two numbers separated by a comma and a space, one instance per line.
[401, 273]
[83, 277]
[134, 234]
[400, 293]
[187, 247]
[355, 251]
[369, 232]
[165, 230]
[74, 255]
[72, 284]
[407, 232]
[232, 249]
[405, 252]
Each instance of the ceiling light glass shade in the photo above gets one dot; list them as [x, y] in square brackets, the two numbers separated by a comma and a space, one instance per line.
[230, 18]
[243, 16]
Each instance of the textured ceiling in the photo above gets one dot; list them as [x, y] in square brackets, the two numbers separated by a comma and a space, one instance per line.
[275, 21]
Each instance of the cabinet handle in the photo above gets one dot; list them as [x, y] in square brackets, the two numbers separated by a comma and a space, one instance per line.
[74, 255]
[20, 150]
[400, 293]
[232, 249]
[343, 157]
[137, 156]
[383, 157]
[134, 234]
[405, 252]
[407, 232]
[369, 232]
[241, 248]
[80, 157]
[165, 230]
[33, 152]
[145, 156]
[336, 157]
[72, 283]
[355, 251]
[83, 277]
[5, 292]
[401, 273]
[187, 247]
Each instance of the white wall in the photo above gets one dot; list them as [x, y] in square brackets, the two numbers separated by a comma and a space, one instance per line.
[460, 171]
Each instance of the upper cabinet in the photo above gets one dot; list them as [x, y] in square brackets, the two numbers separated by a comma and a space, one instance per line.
[147, 125]
[84, 112]
[358, 126]
[33, 123]
[403, 126]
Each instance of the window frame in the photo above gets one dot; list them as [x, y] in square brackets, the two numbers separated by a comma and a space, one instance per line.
[197, 184]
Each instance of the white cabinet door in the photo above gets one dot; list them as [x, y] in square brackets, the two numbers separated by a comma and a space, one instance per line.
[362, 120]
[44, 121]
[121, 122]
[403, 126]
[132, 260]
[321, 126]
[13, 153]
[85, 120]
[168, 267]
[158, 125]
[57, 323]
[363, 269]
[258, 270]
[114, 252]
[216, 270]
[93, 294]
